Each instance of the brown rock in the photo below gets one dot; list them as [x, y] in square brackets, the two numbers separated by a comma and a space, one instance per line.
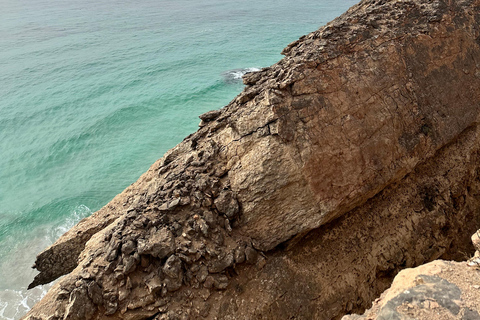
[251, 255]
[221, 264]
[437, 290]
[209, 282]
[173, 267]
[210, 115]
[476, 240]
[350, 159]
[79, 307]
[202, 274]
[227, 204]
[220, 281]
[128, 247]
[173, 284]
[95, 293]
[239, 254]
[154, 284]
[160, 243]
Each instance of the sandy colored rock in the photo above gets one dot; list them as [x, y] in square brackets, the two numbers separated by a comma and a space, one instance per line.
[352, 158]
[443, 290]
[343, 266]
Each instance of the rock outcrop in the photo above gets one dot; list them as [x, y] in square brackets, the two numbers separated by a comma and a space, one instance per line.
[350, 159]
[440, 290]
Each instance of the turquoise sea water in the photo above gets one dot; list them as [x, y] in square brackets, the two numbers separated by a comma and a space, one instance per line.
[93, 92]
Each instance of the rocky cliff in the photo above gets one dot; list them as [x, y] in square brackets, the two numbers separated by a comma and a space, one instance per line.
[353, 157]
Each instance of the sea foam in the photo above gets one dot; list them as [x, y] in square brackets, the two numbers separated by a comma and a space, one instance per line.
[14, 303]
[235, 75]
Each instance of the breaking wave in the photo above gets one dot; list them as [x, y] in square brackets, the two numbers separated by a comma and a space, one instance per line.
[235, 75]
[15, 299]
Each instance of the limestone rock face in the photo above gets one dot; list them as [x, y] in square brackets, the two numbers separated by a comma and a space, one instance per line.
[353, 157]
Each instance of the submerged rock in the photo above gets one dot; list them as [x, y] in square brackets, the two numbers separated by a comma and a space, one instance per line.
[353, 157]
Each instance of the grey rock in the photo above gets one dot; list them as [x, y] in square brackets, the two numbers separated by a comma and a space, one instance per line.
[111, 307]
[159, 244]
[202, 274]
[110, 303]
[220, 282]
[174, 203]
[209, 218]
[221, 264]
[173, 267]
[240, 254]
[202, 226]
[173, 284]
[201, 184]
[129, 264]
[227, 204]
[209, 282]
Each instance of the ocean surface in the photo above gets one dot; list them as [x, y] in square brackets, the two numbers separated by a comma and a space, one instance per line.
[93, 92]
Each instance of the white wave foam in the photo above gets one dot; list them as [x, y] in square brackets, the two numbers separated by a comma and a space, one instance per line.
[78, 214]
[236, 75]
[15, 303]
[15, 299]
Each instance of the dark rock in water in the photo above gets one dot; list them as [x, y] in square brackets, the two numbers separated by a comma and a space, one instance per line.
[355, 156]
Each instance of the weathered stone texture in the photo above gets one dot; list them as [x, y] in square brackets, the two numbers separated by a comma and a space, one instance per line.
[439, 290]
[353, 157]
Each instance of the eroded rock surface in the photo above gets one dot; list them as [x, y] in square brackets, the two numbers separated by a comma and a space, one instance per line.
[344, 265]
[371, 120]
[441, 290]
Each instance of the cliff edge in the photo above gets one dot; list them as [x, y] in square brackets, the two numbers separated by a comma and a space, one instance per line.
[353, 157]
[441, 290]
